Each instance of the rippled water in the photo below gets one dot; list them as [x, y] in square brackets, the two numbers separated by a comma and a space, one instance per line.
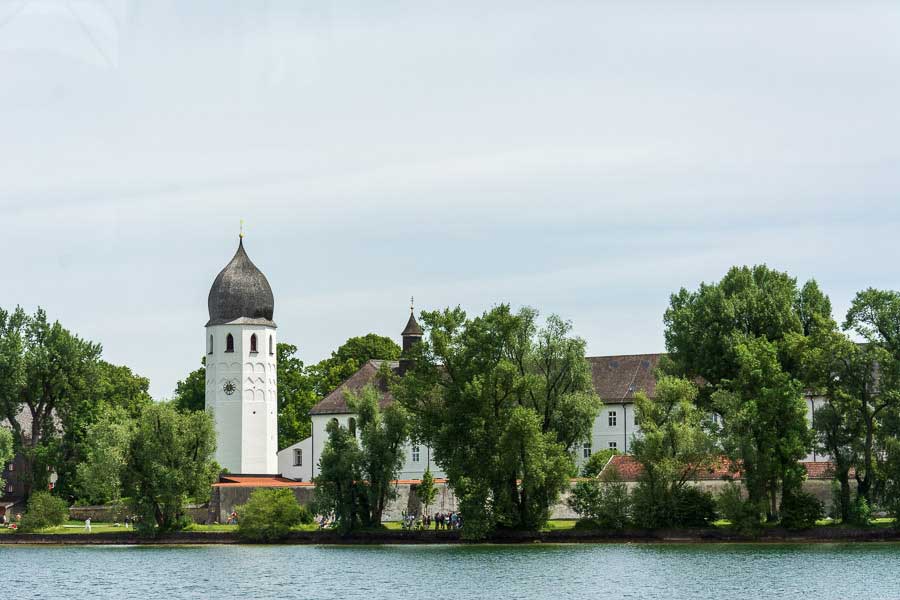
[823, 572]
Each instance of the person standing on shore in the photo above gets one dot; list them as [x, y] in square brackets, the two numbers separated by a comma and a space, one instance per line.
[87, 525]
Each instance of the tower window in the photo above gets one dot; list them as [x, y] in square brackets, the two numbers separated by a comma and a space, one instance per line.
[271, 346]
[209, 349]
[253, 343]
[229, 343]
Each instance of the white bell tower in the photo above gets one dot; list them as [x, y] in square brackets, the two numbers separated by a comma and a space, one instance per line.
[241, 385]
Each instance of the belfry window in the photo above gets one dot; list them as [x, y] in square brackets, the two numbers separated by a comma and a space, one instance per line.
[229, 343]
[271, 346]
[253, 344]
[209, 350]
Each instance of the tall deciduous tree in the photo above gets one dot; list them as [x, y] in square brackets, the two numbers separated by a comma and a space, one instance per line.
[46, 372]
[875, 315]
[738, 337]
[6, 450]
[502, 403]
[674, 446]
[100, 472]
[339, 483]
[170, 461]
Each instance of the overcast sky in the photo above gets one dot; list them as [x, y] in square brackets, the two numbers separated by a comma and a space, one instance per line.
[585, 158]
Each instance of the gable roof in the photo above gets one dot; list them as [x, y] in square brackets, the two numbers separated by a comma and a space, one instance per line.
[619, 378]
[335, 403]
[616, 379]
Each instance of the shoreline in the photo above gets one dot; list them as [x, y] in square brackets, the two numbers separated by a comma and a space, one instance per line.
[387, 537]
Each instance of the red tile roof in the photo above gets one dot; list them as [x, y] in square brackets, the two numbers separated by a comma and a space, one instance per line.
[630, 469]
[258, 481]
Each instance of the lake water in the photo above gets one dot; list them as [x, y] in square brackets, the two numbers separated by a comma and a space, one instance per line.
[556, 572]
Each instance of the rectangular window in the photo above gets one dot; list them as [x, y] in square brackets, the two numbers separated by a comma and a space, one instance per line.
[415, 454]
[298, 457]
[586, 450]
[612, 445]
[611, 415]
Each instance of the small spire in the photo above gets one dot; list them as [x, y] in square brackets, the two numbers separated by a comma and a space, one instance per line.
[412, 304]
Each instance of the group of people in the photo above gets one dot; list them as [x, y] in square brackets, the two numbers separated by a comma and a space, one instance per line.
[441, 521]
[4, 521]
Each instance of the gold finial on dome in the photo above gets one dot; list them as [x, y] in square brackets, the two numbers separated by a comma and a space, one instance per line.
[241, 235]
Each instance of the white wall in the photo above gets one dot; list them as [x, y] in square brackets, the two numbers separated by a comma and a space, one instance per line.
[287, 466]
[247, 420]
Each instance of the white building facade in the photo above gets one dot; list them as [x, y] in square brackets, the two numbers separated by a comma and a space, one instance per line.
[241, 376]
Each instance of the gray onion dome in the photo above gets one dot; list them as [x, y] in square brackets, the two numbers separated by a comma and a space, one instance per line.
[241, 291]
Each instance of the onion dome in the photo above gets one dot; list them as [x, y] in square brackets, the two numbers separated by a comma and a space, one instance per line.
[241, 293]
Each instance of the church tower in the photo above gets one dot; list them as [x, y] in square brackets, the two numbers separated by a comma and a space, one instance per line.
[241, 390]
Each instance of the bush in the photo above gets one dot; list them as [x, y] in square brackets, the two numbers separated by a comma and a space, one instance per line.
[800, 510]
[269, 515]
[743, 515]
[603, 502]
[43, 511]
[694, 508]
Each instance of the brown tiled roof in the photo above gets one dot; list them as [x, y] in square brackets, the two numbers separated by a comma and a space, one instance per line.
[335, 403]
[630, 469]
[618, 378]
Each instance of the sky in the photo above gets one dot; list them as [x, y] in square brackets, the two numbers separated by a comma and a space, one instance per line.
[586, 158]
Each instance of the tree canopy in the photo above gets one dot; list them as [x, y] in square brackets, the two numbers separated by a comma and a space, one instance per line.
[519, 395]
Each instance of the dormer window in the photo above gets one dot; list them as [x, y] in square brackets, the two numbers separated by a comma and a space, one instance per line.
[229, 343]
[253, 344]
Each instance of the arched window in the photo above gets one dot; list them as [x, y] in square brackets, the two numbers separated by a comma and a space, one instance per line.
[229, 343]
[210, 349]
[271, 346]
[351, 426]
[253, 343]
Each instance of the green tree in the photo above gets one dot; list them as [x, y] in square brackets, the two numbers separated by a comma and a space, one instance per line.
[269, 515]
[296, 396]
[6, 451]
[339, 484]
[190, 392]
[521, 397]
[426, 490]
[739, 337]
[382, 433]
[764, 428]
[675, 445]
[875, 315]
[100, 474]
[858, 383]
[47, 372]
[331, 372]
[117, 389]
[170, 461]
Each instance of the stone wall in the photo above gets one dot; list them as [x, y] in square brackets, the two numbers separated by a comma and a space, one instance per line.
[116, 514]
[225, 499]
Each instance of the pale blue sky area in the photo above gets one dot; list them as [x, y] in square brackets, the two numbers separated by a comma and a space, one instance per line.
[586, 158]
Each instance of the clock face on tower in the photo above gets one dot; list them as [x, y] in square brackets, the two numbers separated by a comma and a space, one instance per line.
[229, 387]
